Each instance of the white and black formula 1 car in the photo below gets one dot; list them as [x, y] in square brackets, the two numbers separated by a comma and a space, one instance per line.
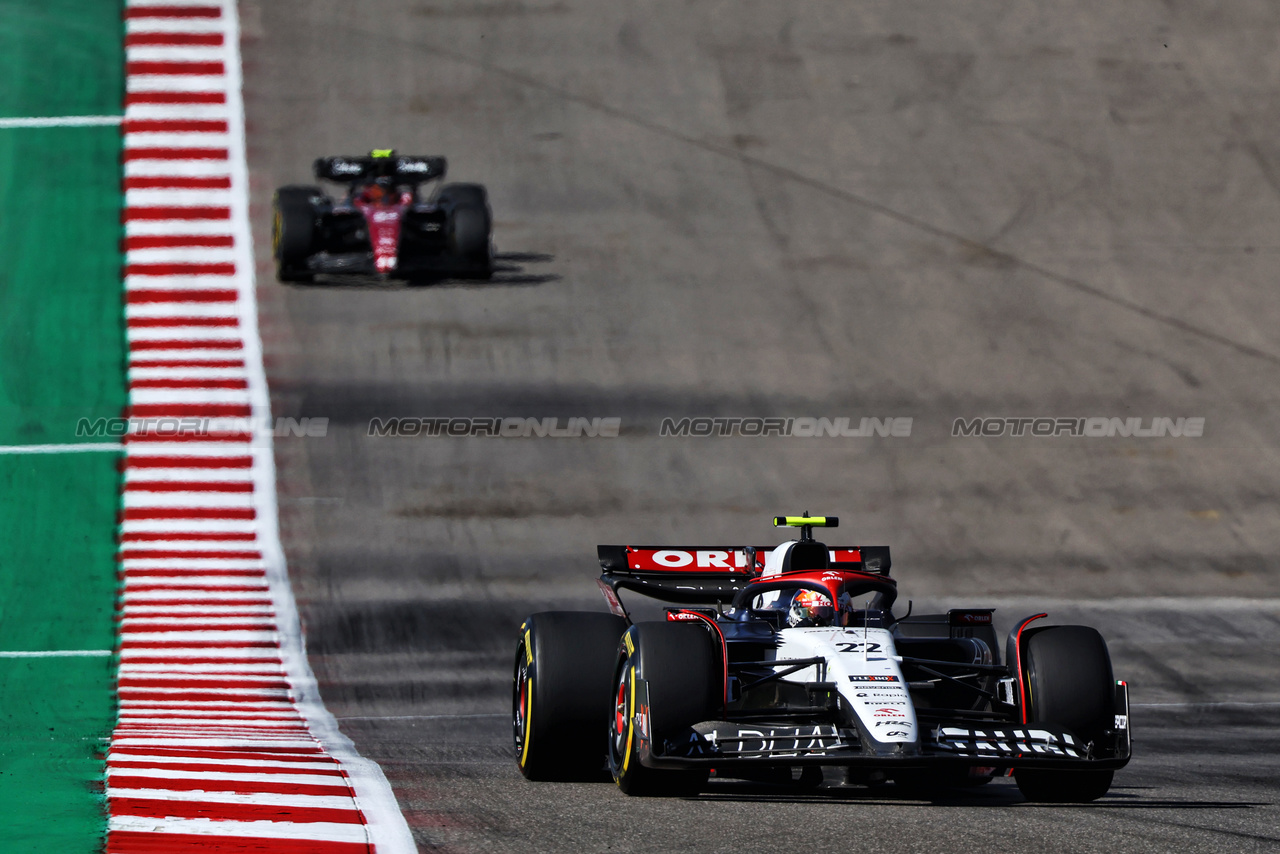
[382, 225]
[777, 661]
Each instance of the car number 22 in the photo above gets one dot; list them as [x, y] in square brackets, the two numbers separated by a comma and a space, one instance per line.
[858, 646]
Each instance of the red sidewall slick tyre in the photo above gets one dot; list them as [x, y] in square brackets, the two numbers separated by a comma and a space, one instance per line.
[1069, 684]
[681, 668]
[561, 700]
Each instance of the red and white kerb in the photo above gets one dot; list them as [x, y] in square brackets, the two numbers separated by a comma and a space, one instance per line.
[222, 743]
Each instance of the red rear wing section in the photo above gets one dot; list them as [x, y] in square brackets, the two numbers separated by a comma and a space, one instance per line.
[733, 561]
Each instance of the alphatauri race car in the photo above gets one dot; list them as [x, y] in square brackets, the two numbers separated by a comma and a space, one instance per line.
[776, 662]
[381, 225]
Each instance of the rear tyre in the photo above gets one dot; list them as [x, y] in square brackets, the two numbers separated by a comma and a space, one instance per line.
[680, 666]
[468, 229]
[293, 232]
[463, 196]
[561, 692]
[931, 783]
[1070, 684]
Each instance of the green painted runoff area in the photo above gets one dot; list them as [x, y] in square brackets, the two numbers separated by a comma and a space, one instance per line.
[61, 346]
[61, 58]
[57, 571]
[61, 359]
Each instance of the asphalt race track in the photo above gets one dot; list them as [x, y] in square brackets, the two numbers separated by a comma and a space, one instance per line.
[805, 209]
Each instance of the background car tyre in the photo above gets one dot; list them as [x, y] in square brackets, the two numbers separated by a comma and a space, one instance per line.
[682, 669]
[293, 232]
[560, 702]
[1069, 684]
[469, 228]
[452, 196]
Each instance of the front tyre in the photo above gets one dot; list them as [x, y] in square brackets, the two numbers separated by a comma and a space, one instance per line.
[1065, 786]
[1069, 684]
[668, 678]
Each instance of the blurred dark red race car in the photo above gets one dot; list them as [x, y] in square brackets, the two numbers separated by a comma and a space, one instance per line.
[776, 662]
[382, 225]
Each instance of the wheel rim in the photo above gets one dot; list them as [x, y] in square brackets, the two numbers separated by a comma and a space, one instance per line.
[620, 708]
[618, 725]
[520, 702]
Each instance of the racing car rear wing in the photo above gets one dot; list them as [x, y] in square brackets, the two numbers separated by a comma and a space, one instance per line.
[402, 168]
[730, 561]
[706, 575]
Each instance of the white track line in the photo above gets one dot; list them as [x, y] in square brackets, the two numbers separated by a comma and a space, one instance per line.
[72, 448]
[60, 121]
[57, 653]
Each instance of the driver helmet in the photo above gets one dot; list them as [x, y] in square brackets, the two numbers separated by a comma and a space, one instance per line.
[810, 608]
[379, 193]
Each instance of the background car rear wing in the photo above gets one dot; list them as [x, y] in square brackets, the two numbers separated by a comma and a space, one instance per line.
[404, 169]
[706, 575]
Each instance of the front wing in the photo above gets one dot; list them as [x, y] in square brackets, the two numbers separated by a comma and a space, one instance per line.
[726, 744]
